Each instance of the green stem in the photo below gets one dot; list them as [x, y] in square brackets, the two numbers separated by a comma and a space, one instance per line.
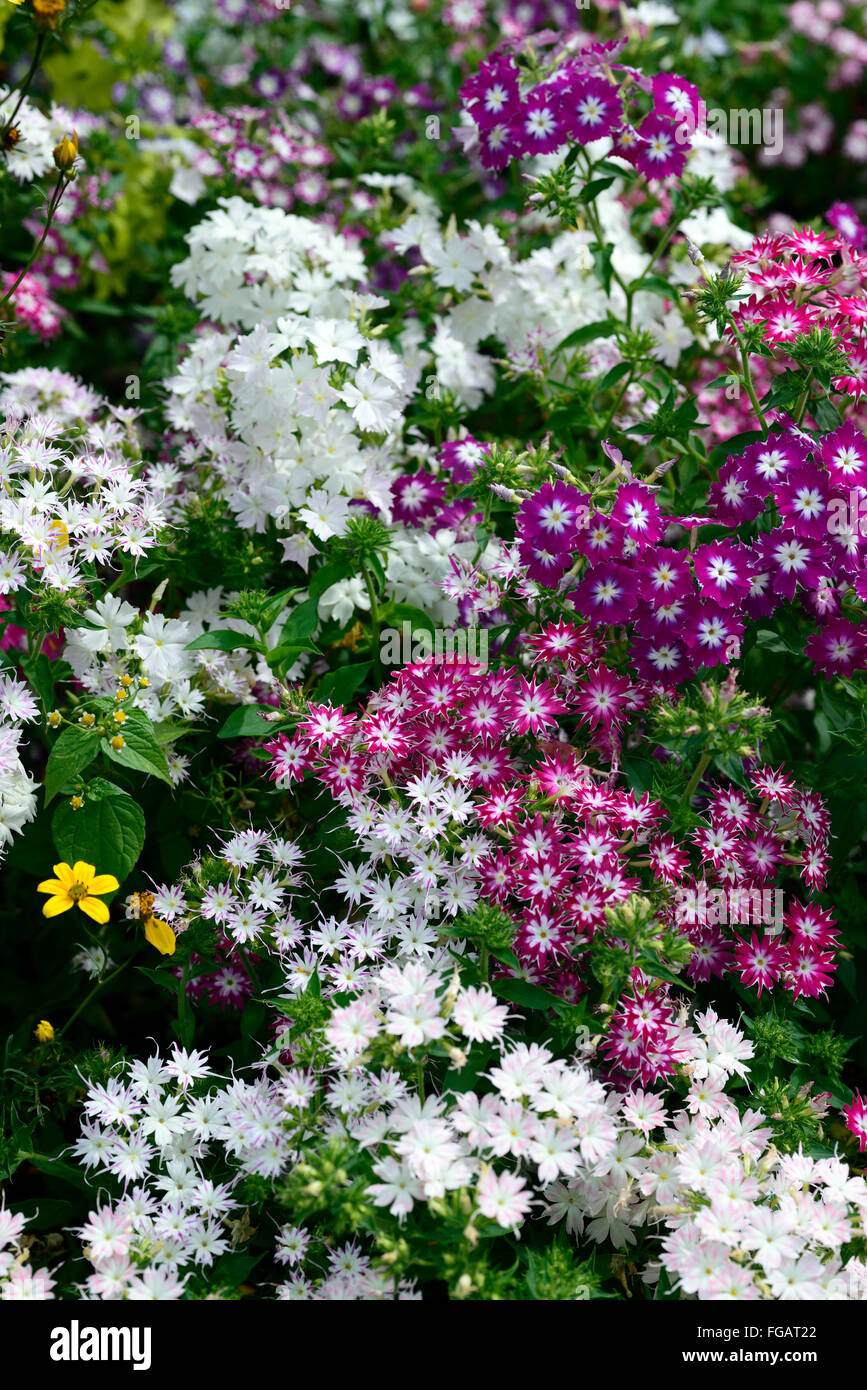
[182, 998]
[701, 768]
[374, 618]
[100, 984]
[748, 378]
[660, 247]
[52, 208]
[801, 408]
[25, 85]
[616, 406]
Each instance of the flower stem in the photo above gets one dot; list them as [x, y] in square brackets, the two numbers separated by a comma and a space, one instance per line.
[100, 984]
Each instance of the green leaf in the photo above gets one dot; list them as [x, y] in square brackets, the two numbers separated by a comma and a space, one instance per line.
[525, 995]
[654, 284]
[164, 978]
[652, 965]
[602, 263]
[602, 328]
[72, 752]
[329, 574]
[40, 673]
[108, 830]
[246, 722]
[141, 750]
[340, 686]
[301, 623]
[222, 640]
[592, 189]
[231, 1270]
[282, 657]
[733, 446]
[169, 731]
[56, 1168]
[613, 375]
[274, 607]
[98, 306]
[826, 415]
[396, 614]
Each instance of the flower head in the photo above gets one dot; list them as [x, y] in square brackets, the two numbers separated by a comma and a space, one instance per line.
[77, 886]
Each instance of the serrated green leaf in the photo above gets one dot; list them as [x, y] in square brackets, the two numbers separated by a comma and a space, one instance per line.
[75, 748]
[141, 750]
[108, 830]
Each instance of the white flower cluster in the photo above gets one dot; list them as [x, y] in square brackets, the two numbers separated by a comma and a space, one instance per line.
[158, 1131]
[73, 494]
[32, 154]
[120, 642]
[17, 787]
[536, 1134]
[251, 266]
[302, 417]
[18, 1280]
[723, 1214]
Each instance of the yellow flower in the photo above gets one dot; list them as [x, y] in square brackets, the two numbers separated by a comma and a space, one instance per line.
[48, 10]
[43, 1032]
[77, 886]
[160, 934]
[66, 153]
[60, 533]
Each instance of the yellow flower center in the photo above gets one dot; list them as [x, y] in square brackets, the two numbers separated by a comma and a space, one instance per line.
[77, 890]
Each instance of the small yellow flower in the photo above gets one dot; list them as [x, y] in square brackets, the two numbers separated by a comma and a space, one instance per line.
[43, 1032]
[48, 10]
[119, 716]
[78, 885]
[121, 694]
[76, 802]
[126, 680]
[87, 719]
[118, 742]
[60, 533]
[54, 718]
[66, 153]
[143, 682]
[160, 935]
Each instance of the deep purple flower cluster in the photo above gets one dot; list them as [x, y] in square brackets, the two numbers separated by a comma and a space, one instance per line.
[583, 101]
[688, 606]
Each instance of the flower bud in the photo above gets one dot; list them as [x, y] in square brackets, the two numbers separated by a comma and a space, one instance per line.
[66, 153]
